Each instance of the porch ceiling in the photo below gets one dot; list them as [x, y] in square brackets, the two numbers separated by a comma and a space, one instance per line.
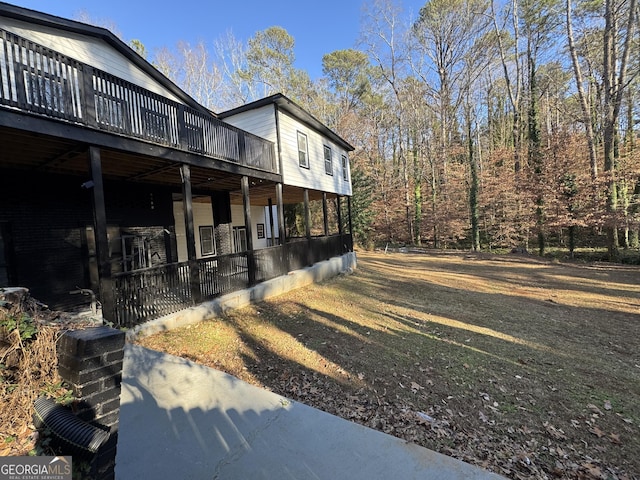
[26, 151]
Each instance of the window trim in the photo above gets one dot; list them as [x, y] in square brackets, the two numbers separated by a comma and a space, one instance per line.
[240, 237]
[328, 161]
[304, 151]
[211, 253]
[345, 170]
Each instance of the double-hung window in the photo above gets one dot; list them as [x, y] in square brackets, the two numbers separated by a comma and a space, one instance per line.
[345, 173]
[328, 162]
[239, 239]
[207, 241]
[303, 150]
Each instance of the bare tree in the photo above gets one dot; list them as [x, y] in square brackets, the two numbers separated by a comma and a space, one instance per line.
[384, 42]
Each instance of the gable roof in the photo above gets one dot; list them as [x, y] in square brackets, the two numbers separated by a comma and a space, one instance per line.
[52, 21]
[286, 104]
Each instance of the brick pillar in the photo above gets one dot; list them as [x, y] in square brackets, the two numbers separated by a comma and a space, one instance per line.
[223, 238]
[90, 361]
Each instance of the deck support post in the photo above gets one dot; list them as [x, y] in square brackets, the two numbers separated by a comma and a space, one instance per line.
[272, 233]
[307, 227]
[187, 205]
[279, 201]
[350, 222]
[339, 212]
[340, 226]
[246, 203]
[282, 231]
[107, 294]
[325, 217]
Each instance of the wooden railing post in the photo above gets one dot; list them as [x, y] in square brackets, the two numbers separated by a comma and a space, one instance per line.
[18, 67]
[183, 138]
[88, 96]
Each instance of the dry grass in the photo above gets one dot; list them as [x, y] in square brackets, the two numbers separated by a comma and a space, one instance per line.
[528, 368]
[28, 369]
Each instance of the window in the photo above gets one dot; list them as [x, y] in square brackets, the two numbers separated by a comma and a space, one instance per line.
[239, 239]
[207, 241]
[345, 173]
[303, 151]
[328, 162]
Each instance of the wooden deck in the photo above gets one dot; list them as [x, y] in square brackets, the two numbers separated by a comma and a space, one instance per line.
[41, 81]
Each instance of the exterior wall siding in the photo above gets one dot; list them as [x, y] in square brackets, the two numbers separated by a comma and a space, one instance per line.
[259, 121]
[91, 51]
[315, 176]
[203, 216]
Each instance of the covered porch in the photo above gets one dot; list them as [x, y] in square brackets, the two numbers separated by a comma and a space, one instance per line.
[90, 172]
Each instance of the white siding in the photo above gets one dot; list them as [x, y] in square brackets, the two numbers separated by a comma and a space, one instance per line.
[315, 176]
[260, 121]
[257, 216]
[202, 216]
[89, 50]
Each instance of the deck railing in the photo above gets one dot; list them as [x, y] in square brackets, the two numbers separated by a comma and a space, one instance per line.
[41, 81]
[150, 293]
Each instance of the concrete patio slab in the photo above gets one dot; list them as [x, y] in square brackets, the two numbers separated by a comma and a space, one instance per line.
[180, 420]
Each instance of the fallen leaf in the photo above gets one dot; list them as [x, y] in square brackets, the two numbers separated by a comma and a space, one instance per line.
[415, 387]
[556, 433]
[361, 376]
[482, 416]
[597, 432]
[615, 438]
[594, 409]
[593, 470]
[607, 405]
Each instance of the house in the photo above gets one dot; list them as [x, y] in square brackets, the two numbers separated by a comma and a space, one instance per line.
[113, 180]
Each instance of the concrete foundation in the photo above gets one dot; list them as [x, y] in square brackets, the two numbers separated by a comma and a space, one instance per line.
[271, 288]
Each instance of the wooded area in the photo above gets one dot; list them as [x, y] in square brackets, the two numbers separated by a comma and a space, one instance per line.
[479, 124]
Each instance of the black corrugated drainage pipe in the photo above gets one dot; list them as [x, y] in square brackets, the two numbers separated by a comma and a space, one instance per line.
[81, 435]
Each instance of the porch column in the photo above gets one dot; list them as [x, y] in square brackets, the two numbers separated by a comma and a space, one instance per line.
[349, 211]
[107, 294]
[281, 229]
[310, 254]
[350, 224]
[273, 234]
[324, 214]
[246, 202]
[339, 210]
[340, 226]
[307, 215]
[187, 205]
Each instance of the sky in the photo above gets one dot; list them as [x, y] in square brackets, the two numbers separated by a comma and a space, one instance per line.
[317, 26]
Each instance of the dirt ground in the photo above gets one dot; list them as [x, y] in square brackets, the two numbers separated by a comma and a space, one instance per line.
[526, 367]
